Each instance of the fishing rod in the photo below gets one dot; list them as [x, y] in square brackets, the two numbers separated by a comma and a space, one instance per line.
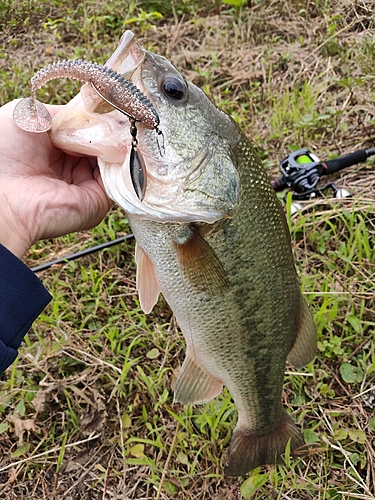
[87, 251]
[300, 171]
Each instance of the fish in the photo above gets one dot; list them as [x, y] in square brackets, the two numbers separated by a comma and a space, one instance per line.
[212, 237]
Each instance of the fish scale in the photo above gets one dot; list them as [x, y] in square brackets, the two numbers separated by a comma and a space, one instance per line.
[231, 332]
[209, 320]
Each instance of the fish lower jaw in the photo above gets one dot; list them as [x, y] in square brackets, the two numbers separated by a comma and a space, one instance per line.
[71, 144]
[141, 211]
[119, 187]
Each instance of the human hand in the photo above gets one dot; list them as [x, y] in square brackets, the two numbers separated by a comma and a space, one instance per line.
[44, 192]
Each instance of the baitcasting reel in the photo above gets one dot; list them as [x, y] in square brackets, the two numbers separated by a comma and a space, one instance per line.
[301, 171]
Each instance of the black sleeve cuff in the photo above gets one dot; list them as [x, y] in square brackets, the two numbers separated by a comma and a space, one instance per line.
[22, 299]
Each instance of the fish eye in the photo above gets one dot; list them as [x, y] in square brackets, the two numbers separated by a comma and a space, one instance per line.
[174, 87]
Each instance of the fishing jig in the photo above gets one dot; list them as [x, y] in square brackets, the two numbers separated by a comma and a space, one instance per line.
[111, 86]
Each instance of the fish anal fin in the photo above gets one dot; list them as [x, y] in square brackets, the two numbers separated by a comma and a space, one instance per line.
[194, 384]
[147, 284]
[200, 264]
[250, 449]
[305, 345]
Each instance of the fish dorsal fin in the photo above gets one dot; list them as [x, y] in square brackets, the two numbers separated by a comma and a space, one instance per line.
[304, 348]
[147, 284]
[194, 384]
[200, 264]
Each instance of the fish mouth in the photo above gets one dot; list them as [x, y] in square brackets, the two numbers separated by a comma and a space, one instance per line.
[88, 125]
[128, 56]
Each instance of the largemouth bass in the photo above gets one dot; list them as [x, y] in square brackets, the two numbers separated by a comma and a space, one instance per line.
[211, 237]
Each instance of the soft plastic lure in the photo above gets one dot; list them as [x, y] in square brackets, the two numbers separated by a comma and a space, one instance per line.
[32, 116]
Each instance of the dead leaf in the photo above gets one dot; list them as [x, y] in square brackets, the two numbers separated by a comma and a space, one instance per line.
[20, 426]
[39, 400]
[95, 416]
[12, 474]
[92, 420]
[46, 388]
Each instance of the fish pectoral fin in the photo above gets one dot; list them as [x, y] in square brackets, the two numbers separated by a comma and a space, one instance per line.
[249, 449]
[200, 264]
[305, 345]
[147, 284]
[194, 384]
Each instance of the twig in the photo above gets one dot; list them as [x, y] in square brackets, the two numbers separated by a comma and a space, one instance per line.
[301, 374]
[53, 450]
[167, 462]
[372, 388]
[106, 481]
[84, 474]
[121, 438]
[359, 481]
[98, 360]
[327, 40]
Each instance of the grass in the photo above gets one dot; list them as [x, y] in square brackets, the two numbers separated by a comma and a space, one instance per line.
[87, 409]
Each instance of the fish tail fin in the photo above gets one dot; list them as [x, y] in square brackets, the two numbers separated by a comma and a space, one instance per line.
[250, 449]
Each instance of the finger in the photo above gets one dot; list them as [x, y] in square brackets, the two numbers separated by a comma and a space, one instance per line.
[54, 108]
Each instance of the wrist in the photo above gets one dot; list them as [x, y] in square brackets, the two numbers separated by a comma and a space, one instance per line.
[14, 245]
[11, 236]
